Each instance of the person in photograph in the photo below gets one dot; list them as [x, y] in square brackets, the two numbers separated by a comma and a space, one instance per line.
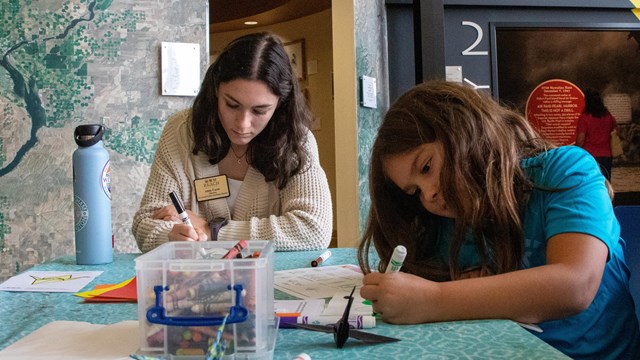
[595, 125]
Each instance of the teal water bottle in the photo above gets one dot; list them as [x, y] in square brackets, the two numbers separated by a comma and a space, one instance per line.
[92, 197]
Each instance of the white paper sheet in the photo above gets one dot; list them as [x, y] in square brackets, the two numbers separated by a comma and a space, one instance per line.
[74, 340]
[338, 303]
[50, 281]
[180, 64]
[318, 282]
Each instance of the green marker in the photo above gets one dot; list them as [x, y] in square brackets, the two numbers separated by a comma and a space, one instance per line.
[397, 258]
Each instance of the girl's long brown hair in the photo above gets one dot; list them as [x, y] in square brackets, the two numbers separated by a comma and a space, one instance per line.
[481, 180]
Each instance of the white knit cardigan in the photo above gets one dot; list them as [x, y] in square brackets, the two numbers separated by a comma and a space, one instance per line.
[298, 217]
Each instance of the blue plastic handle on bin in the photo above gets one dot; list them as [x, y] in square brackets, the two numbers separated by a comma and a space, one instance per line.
[157, 314]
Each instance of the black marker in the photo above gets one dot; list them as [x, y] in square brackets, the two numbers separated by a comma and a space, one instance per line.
[182, 213]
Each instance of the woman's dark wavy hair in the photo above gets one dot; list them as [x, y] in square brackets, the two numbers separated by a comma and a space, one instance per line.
[481, 180]
[278, 152]
[593, 104]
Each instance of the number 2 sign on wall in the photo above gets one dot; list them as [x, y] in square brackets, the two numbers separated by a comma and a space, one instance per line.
[470, 51]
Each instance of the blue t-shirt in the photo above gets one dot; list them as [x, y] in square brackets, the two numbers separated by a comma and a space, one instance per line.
[608, 328]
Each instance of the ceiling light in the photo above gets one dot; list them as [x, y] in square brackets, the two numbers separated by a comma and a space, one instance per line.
[251, 23]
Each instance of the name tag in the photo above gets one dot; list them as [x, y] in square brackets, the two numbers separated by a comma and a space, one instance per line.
[211, 188]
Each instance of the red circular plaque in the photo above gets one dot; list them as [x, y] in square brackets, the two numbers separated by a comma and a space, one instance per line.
[553, 108]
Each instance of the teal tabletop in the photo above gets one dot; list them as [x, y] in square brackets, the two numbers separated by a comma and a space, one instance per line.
[25, 312]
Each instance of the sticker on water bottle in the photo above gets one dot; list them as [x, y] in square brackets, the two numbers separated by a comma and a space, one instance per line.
[80, 213]
[106, 179]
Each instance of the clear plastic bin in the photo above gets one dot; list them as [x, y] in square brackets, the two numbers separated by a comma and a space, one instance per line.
[185, 289]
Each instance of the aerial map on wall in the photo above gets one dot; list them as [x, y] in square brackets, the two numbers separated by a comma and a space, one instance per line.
[66, 63]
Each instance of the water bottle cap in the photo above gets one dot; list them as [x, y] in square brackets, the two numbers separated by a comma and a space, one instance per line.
[88, 135]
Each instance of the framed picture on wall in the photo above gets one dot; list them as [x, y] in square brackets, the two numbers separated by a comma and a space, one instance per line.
[295, 50]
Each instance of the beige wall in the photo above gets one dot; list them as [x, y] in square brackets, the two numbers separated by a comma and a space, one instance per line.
[344, 51]
[316, 31]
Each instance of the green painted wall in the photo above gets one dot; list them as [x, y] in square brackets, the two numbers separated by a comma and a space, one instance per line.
[371, 39]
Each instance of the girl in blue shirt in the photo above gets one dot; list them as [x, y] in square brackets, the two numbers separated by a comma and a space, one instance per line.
[497, 223]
